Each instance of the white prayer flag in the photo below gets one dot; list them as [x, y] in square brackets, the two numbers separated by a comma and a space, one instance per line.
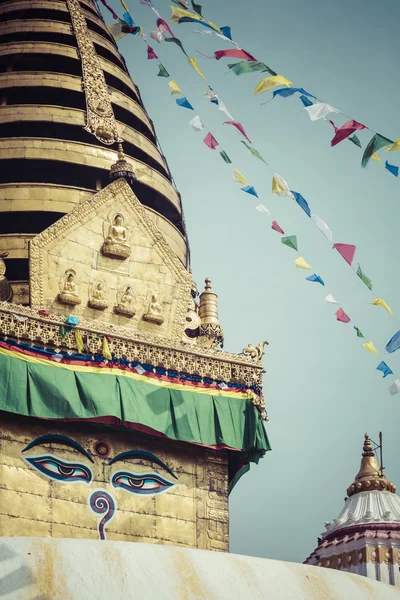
[394, 388]
[330, 299]
[280, 187]
[322, 226]
[20, 317]
[320, 110]
[139, 369]
[263, 209]
[196, 123]
[222, 107]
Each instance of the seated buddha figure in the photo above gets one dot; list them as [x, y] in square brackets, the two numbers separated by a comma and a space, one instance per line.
[97, 297]
[153, 314]
[69, 291]
[116, 244]
[125, 300]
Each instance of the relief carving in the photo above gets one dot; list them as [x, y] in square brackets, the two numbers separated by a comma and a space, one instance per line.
[116, 243]
[69, 291]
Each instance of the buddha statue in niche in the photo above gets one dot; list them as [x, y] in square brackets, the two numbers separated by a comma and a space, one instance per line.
[97, 296]
[125, 302]
[69, 293]
[116, 243]
[153, 314]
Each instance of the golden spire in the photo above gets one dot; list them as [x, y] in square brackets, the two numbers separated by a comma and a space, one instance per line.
[210, 328]
[122, 168]
[369, 477]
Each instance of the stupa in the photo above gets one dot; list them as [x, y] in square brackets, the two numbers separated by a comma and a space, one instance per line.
[365, 537]
[122, 419]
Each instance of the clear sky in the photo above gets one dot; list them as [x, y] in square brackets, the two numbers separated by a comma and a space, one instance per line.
[322, 390]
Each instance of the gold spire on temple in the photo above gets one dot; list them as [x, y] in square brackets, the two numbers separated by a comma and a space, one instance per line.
[370, 476]
[122, 168]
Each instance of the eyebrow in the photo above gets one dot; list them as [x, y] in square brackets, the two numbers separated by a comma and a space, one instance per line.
[144, 455]
[61, 439]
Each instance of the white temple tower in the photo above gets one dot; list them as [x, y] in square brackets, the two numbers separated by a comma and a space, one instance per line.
[365, 537]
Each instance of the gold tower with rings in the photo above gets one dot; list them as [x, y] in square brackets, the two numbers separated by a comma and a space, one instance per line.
[121, 417]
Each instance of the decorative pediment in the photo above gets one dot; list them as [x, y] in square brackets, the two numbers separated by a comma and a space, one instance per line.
[106, 260]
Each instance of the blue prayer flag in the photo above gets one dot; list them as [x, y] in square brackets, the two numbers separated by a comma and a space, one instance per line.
[315, 278]
[71, 320]
[301, 202]
[392, 168]
[394, 343]
[128, 19]
[285, 92]
[305, 101]
[184, 102]
[385, 369]
[226, 31]
[250, 190]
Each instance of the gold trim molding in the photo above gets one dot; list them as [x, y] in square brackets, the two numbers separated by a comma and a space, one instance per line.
[361, 556]
[100, 120]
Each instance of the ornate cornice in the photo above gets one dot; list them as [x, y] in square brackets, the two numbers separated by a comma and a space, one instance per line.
[100, 120]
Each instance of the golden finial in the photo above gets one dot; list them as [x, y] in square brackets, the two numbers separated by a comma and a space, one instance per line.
[210, 328]
[370, 476]
[122, 168]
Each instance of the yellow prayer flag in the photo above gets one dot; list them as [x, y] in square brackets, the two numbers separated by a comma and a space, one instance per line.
[174, 88]
[237, 176]
[79, 341]
[192, 62]
[269, 82]
[396, 146]
[276, 188]
[178, 13]
[376, 157]
[106, 349]
[381, 302]
[370, 347]
[301, 263]
[124, 5]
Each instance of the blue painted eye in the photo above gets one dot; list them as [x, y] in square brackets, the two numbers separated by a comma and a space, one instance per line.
[60, 470]
[141, 483]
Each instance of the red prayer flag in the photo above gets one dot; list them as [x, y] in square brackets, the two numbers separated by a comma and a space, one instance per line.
[276, 227]
[210, 141]
[233, 53]
[345, 131]
[341, 316]
[346, 250]
[239, 127]
[150, 53]
[164, 24]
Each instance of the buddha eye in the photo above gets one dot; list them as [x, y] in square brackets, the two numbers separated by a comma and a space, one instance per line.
[141, 483]
[60, 470]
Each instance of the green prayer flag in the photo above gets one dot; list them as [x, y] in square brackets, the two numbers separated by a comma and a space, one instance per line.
[175, 40]
[64, 331]
[291, 241]
[249, 66]
[163, 71]
[364, 278]
[197, 8]
[354, 138]
[375, 144]
[359, 334]
[225, 157]
[254, 152]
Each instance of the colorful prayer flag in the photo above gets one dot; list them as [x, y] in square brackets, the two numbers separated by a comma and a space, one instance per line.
[395, 146]
[345, 131]
[286, 92]
[394, 388]
[279, 186]
[184, 102]
[319, 110]
[239, 127]
[254, 152]
[341, 316]
[210, 141]
[347, 251]
[301, 263]
[249, 66]
[269, 82]
[237, 176]
[330, 299]
[375, 143]
[376, 157]
[225, 157]
[358, 331]
[174, 88]
[196, 123]
[392, 168]
[364, 278]
[162, 71]
[197, 8]
[315, 278]
[394, 343]
[178, 42]
[306, 101]
[150, 53]
[301, 202]
[277, 228]
[354, 138]
[192, 62]
[370, 347]
[381, 302]
[322, 226]
[385, 369]
[263, 209]
[249, 189]
[233, 53]
[290, 241]
[79, 341]
[105, 349]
